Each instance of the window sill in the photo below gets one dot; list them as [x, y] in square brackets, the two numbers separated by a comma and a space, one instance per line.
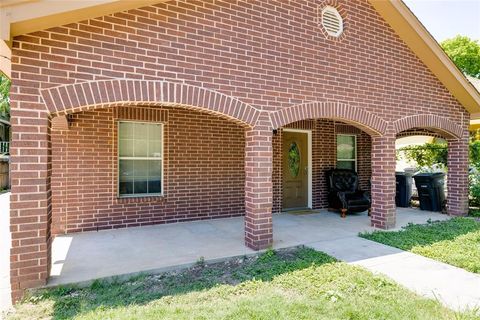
[141, 199]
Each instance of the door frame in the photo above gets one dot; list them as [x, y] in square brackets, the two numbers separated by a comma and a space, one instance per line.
[309, 162]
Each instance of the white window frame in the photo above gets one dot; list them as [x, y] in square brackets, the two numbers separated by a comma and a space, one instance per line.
[336, 149]
[140, 195]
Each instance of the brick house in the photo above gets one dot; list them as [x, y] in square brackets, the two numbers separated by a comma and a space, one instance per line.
[137, 113]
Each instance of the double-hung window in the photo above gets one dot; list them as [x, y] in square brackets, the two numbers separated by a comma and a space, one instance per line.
[347, 152]
[140, 161]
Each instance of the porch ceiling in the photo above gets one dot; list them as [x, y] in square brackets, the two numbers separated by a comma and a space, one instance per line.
[25, 16]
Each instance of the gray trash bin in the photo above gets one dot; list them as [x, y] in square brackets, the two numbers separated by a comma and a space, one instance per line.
[431, 193]
[404, 189]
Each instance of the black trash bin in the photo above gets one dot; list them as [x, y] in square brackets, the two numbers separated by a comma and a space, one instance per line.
[430, 187]
[404, 189]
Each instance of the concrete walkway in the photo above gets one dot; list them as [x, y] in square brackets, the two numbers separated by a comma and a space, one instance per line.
[453, 287]
[5, 243]
[91, 255]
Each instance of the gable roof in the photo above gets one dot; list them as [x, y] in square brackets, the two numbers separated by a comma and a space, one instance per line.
[24, 16]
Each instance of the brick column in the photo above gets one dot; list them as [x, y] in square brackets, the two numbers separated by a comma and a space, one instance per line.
[30, 213]
[383, 181]
[258, 185]
[457, 178]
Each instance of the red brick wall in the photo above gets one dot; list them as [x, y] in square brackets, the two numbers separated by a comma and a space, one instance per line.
[204, 173]
[420, 132]
[204, 170]
[324, 149]
[271, 54]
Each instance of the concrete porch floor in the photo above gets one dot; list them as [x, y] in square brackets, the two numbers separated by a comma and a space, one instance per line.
[91, 255]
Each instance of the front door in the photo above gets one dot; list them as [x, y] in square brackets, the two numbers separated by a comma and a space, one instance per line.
[295, 170]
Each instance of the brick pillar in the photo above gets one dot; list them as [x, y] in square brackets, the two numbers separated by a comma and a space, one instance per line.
[457, 178]
[383, 181]
[258, 185]
[30, 208]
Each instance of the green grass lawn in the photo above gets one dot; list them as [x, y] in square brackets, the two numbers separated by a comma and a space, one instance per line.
[474, 212]
[295, 284]
[455, 241]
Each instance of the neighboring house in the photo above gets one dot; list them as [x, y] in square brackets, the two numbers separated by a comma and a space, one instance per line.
[178, 111]
[4, 150]
[4, 132]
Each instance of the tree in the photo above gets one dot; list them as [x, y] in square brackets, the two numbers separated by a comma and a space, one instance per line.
[426, 155]
[465, 53]
[4, 95]
[430, 154]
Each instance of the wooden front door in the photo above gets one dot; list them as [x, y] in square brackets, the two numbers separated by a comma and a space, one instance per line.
[294, 170]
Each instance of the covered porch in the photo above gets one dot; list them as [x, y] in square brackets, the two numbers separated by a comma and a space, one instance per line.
[91, 255]
[215, 157]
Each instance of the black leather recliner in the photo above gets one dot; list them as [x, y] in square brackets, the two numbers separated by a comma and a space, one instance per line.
[344, 194]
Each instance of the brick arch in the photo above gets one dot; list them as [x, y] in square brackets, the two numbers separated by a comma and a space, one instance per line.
[84, 96]
[355, 116]
[447, 128]
[419, 132]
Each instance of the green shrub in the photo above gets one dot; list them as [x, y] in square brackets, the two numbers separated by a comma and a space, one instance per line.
[474, 188]
[474, 154]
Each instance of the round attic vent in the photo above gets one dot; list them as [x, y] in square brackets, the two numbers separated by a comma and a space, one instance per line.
[332, 21]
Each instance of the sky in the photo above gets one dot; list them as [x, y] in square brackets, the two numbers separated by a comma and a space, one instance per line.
[447, 18]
